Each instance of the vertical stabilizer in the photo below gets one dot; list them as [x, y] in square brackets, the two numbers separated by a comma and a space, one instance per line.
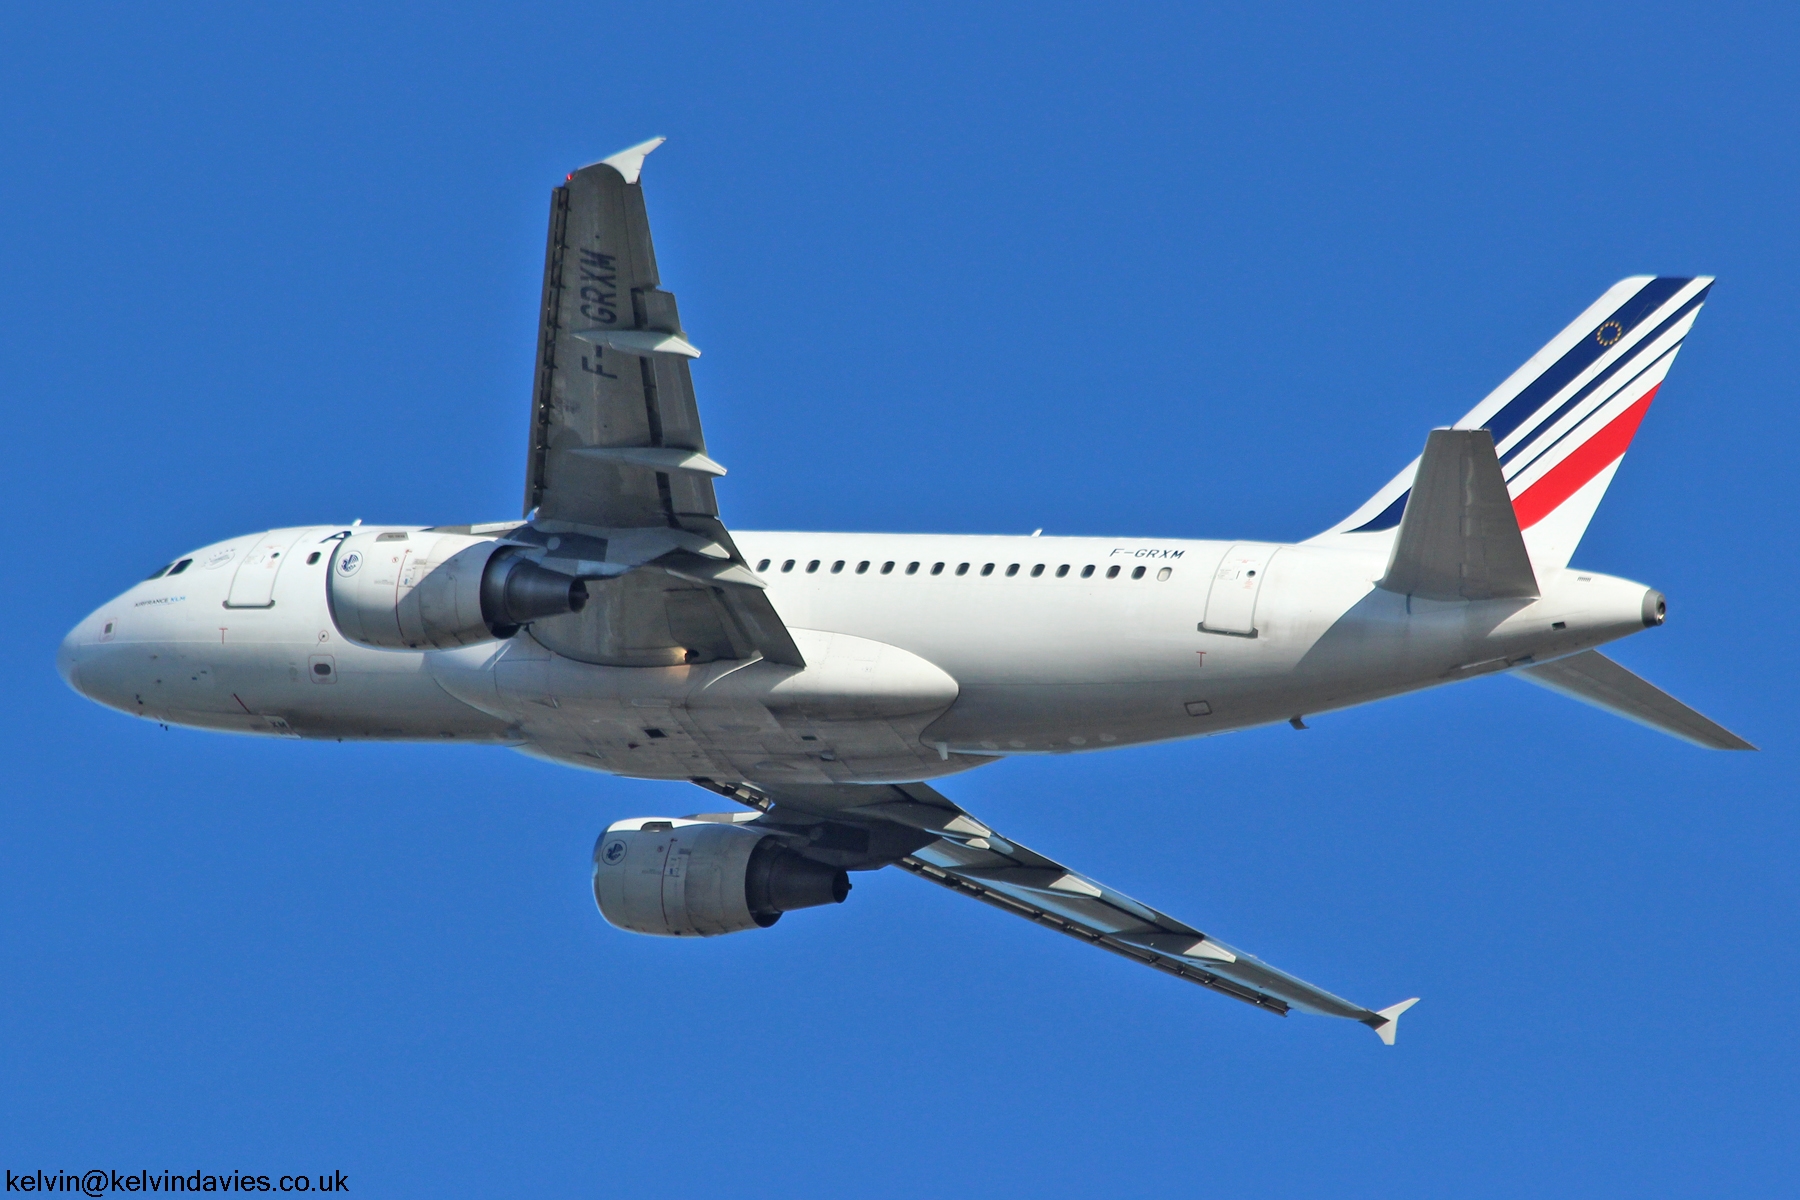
[1562, 422]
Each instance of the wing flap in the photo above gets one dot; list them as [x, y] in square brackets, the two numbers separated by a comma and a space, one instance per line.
[1593, 678]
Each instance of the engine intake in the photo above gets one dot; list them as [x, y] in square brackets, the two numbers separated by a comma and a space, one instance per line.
[413, 589]
[683, 878]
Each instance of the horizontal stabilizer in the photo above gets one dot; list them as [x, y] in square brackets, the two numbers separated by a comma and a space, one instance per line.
[1459, 539]
[1595, 679]
[1386, 1022]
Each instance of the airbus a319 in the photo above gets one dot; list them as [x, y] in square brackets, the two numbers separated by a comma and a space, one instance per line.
[819, 680]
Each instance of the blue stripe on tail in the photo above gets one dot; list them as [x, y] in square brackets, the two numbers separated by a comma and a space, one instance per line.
[1539, 392]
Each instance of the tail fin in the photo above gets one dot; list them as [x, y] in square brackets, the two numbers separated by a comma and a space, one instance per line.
[1562, 422]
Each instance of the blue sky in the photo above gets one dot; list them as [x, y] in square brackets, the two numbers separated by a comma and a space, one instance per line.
[1136, 269]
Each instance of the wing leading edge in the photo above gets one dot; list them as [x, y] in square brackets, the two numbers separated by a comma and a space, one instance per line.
[914, 827]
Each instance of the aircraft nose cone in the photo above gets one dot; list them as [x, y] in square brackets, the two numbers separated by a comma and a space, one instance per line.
[66, 665]
[91, 666]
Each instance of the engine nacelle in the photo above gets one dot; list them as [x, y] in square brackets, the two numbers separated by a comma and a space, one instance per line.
[683, 878]
[413, 589]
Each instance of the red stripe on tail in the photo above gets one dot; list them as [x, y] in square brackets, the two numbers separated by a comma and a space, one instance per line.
[1584, 462]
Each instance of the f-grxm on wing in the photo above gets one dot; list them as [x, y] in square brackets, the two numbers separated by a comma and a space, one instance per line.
[618, 484]
[912, 826]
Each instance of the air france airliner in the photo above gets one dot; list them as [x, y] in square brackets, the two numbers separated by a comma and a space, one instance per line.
[818, 681]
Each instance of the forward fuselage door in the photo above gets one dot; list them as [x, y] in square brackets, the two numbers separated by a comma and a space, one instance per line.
[254, 584]
[1231, 603]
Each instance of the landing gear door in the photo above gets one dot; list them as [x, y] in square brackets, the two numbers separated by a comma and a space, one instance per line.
[1231, 603]
[254, 584]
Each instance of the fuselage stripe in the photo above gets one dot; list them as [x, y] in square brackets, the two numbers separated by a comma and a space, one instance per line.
[1583, 463]
[1624, 363]
[1544, 446]
[1540, 391]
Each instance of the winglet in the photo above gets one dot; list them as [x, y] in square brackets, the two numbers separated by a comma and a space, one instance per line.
[629, 162]
[1389, 1024]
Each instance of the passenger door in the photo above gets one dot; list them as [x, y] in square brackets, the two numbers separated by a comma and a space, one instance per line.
[1231, 602]
[254, 584]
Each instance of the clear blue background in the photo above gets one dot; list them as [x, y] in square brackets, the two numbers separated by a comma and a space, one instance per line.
[1103, 269]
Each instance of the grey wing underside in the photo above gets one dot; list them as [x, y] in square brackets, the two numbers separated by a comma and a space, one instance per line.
[914, 827]
[617, 468]
[1593, 678]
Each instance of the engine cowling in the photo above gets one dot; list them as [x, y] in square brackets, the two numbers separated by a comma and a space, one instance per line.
[413, 589]
[683, 878]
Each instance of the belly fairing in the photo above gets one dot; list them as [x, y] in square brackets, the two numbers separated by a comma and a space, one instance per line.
[853, 714]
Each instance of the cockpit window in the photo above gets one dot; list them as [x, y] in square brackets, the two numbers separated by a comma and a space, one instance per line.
[159, 572]
[181, 566]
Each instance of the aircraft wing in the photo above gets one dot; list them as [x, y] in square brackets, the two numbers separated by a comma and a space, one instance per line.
[912, 826]
[616, 457]
[1593, 678]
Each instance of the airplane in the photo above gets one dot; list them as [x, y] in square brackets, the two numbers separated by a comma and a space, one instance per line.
[821, 680]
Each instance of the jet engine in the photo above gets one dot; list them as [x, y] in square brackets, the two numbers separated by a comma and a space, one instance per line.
[409, 590]
[688, 878]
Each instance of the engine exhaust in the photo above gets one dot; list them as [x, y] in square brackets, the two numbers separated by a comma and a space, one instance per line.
[516, 591]
[778, 881]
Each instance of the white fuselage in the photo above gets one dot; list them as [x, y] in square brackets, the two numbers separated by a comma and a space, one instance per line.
[1014, 645]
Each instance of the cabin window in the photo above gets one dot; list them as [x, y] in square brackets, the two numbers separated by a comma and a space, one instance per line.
[312, 558]
[912, 568]
[1164, 574]
[1137, 573]
[1112, 572]
[1012, 570]
[862, 568]
[962, 568]
[763, 565]
[812, 566]
[1037, 570]
[158, 573]
[887, 568]
[1087, 571]
[837, 566]
[987, 569]
[181, 566]
[788, 565]
[1062, 570]
[937, 568]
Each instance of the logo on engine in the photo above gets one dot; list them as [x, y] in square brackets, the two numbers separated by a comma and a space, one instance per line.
[613, 854]
[348, 564]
